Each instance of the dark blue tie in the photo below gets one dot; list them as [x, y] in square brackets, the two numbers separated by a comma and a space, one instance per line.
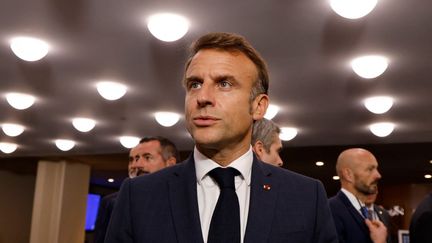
[365, 212]
[225, 222]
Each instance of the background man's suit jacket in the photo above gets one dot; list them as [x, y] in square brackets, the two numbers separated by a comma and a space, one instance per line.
[421, 222]
[103, 217]
[350, 225]
[163, 207]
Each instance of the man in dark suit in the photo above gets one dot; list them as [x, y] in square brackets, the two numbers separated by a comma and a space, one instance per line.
[150, 155]
[358, 172]
[376, 212]
[226, 84]
[421, 222]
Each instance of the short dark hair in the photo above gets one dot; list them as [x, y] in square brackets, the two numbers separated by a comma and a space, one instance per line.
[234, 43]
[168, 148]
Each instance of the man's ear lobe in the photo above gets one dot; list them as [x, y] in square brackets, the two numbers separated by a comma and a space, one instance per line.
[260, 105]
[171, 161]
[258, 148]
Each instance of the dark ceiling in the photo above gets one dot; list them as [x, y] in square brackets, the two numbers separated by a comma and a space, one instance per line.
[307, 46]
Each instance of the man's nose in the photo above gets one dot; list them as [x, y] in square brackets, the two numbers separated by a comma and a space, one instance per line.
[205, 96]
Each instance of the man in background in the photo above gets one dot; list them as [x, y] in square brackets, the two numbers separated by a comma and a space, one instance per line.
[266, 142]
[420, 230]
[376, 212]
[150, 155]
[357, 169]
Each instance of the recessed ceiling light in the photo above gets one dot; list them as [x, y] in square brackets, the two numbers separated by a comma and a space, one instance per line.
[29, 48]
[336, 178]
[8, 148]
[427, 176]
[110, 180]
[353, 9]
[369, 66]
[271, 112]
[378, 104]
[111, 90]
[20, 101]
[288, 133]
[129, 141]
[64, 144]
[319, 163]
[382, 129]
[12, 130]
[167, 26]
[83, 124]
[167, 119]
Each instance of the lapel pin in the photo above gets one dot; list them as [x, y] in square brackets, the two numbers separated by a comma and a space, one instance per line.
[266, 187]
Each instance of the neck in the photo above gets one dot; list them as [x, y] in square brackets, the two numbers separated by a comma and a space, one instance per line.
[225, 156]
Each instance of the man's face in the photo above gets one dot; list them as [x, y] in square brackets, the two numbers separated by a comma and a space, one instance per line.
[271, 157]
[146, 158]
[218, 110]
[366, 175]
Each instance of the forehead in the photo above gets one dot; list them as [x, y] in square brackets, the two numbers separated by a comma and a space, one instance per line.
[150, 147]
[367, 160]
[214, 61]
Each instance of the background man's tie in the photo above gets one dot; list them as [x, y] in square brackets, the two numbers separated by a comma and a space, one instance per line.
[225, 222]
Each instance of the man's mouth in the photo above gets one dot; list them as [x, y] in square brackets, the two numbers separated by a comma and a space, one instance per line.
[204, 120]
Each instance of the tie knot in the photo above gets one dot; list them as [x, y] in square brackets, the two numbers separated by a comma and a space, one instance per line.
[224, 177]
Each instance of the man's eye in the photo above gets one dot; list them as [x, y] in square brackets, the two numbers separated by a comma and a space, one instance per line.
[194, 85]
[224, 84]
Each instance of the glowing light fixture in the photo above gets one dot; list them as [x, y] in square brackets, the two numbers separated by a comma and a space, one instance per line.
[167, 119]
[369, 66]
[129, 141]
[64, 144]
[20, 101]
[8, 148]
[382, 129]
[111, 90]
[336, 178]
[110, 180]
[28, 48]
[319, 163]
[12, 130]
[427, 176]
[287, 133]
[83, 124]
[167, 26]
[353, 9]
[378, 104]
[271, 112]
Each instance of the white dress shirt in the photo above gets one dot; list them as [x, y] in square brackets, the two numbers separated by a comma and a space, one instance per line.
[354, 201]
[208, 191]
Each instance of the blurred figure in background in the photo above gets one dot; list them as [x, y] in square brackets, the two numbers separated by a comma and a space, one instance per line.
[266, 142]
[420, 230]
[358, 172]
[150, 155]
[376, 212]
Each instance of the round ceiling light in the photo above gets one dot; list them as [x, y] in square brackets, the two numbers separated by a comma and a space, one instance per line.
[12, 130]
[8, 148]
[378, 104]
[111, 90]
[353, 9]
[20, 101]
[167, 119]
[129, 141]
[382, 129]
[83, 124]
[271, 112]
[167, 26]
[64, 144]
[288, 133]
[369, 66]
[28, 48]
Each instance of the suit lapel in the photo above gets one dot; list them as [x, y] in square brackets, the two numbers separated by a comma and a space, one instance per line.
[263, 195]
[354, 213]
[184, 203]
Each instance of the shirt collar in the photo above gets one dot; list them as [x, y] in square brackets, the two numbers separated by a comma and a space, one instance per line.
[353, 199]
[204, 165]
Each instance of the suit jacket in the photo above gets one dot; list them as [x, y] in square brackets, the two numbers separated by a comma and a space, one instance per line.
[103, 217]
[384, 217]
[350, 225]
[163, 207]
[421, 222]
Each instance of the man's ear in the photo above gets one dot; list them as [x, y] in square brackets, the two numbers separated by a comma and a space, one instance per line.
[258, 148]
[259, 106]
[171, 161]
[348, 175]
